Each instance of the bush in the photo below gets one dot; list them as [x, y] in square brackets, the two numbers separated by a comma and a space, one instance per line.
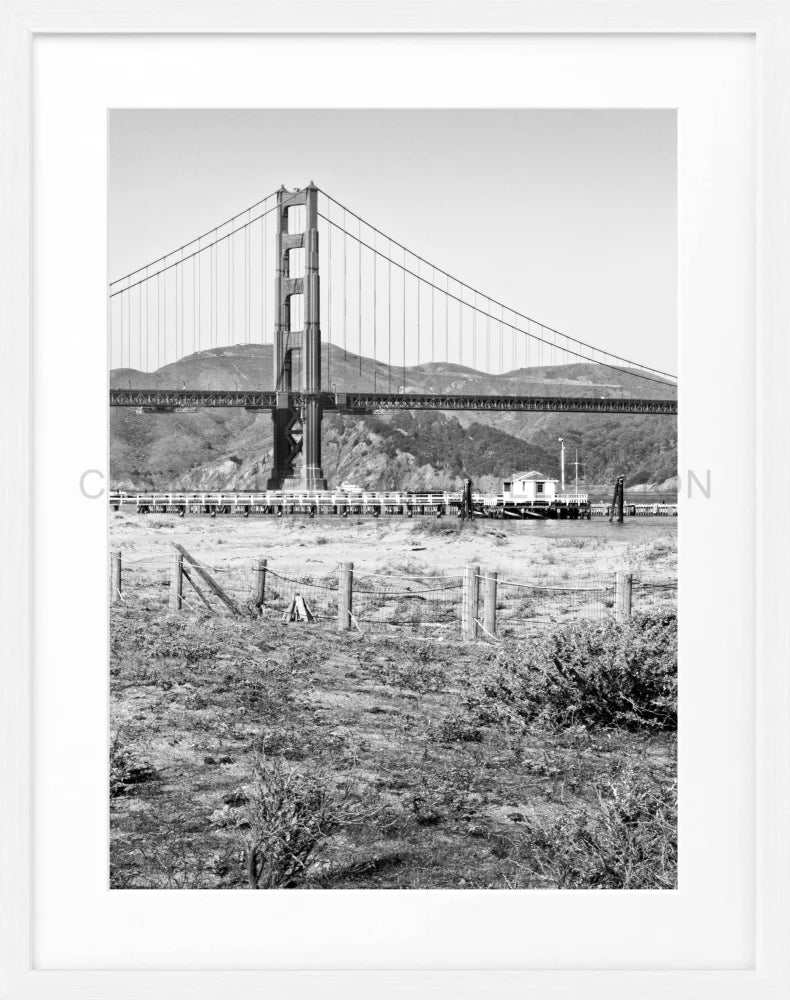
[457, 729]
[450, 525]
[627, 840]
[126, 770]
[587, 673]
[290, 815]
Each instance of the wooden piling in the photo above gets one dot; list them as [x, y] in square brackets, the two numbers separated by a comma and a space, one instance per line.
[259, 584]
[469, 601]
[115, 578]
[622, 596]
[176, 583]
[345, 590]
[489, 603]
[618, 500]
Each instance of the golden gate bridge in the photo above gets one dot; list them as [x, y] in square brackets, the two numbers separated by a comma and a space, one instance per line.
[374, 327]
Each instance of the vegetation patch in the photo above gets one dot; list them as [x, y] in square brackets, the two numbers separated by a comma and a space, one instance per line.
[280, 755]
[627, 839]
[586, 673]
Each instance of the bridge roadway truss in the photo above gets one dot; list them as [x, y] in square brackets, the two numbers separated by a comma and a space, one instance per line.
[174, 400]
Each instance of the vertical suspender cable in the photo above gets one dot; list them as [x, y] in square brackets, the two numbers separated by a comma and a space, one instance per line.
[199, 293]
[419, 286]
[164, 318]
[265, 275]
[501, 341]
[447, 318]
[329, 299]
[433, 304]
[176, 300]
[461, 326]
[183, 338]
[247, 289]
[158, 319]
[474, 333]
[513, 337]
[389, 315]
[488, 336]
[375, 314]
[345, 296]
[404, 320]
[140, 323]
[359, 293]
[120, 332]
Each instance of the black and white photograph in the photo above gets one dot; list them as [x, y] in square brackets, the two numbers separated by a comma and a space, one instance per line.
[393, 499]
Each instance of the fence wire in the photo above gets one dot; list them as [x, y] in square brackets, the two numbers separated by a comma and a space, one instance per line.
[651, 595]
[431, 603]
[521, 606]
[318, 593]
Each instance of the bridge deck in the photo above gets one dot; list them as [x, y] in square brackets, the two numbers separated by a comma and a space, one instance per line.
[173, 400]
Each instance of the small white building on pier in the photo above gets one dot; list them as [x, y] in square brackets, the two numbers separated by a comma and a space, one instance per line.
[530, 487]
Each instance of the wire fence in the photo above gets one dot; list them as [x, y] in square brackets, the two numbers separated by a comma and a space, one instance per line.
[521, 607]
[475, 604]
[416, 602]
[318, 593]
[654, 596]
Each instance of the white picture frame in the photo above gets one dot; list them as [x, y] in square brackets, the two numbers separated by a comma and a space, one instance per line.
[769, 23]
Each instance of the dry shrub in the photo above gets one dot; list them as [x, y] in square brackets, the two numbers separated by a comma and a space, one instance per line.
[447, 526]
[127, 770]
[626, 840]
[290, 815]
[610, 674]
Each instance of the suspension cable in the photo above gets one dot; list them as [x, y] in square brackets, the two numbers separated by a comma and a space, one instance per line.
[227, 222]
[549, 329]
[201, 248]
[516, 329]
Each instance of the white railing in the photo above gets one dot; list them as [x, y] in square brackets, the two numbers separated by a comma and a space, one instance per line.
[367, 498]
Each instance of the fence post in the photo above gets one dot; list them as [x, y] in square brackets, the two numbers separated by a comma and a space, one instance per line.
[469, 601]
[345, 589]
[115, 577]
[489, 603]
[176, 582]
[622, 596]
[259, 584]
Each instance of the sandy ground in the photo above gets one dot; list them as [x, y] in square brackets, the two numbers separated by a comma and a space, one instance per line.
[522, 551]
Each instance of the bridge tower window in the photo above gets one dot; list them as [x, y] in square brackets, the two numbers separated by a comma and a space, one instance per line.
[297, 219]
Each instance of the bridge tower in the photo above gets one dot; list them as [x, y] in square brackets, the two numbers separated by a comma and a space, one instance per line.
[297, 430]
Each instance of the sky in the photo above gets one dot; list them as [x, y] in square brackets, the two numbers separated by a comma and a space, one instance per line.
[567, 216]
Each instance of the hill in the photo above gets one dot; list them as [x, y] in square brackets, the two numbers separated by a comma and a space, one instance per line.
[231, 448]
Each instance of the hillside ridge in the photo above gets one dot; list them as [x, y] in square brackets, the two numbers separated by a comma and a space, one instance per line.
[231, 448]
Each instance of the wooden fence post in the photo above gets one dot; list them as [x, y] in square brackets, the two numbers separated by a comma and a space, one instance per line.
[211, 583]
[176, 582]
[259, 584]
[345, 590]
[489, 603]
[622, 596]
[115, 577]
[469, 601]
